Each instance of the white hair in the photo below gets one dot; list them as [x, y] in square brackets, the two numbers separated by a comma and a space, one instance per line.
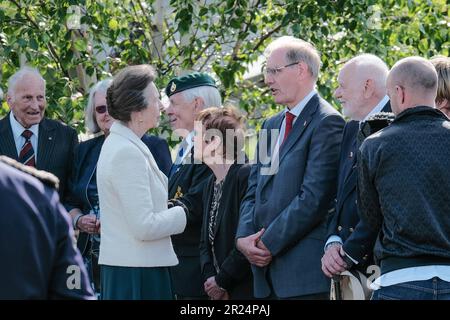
[19, 75]
[371, 65]
[297, 50]
[210, 95]
[89, 113]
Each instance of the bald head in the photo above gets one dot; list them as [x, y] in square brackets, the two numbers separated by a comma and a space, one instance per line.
[412, 82]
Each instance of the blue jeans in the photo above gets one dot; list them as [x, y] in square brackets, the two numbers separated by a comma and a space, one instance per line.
[432, 289]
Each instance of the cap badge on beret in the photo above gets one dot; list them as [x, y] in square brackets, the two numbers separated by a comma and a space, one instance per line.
[173, 87]
[189, 81]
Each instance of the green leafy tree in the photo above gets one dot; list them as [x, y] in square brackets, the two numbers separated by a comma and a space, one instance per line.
[75, 43]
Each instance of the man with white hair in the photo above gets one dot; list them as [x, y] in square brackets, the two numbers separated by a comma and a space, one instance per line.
[362, 93]
[188, 95]
[403, 180]
[282, 226]
[30, 138]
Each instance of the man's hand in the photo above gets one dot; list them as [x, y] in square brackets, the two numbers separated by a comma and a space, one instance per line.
[332, 262]
[254, 250]
[88, 223]
[213, 290]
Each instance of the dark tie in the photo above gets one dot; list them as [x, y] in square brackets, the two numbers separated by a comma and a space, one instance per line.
[289, 120]
[26, 155]
[177, 163]
[360, 136]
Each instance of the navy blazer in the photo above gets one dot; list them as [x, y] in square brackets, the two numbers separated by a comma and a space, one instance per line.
[292, 205]
[56, 144]
[346, 218]
[37, 254]
[86, 158]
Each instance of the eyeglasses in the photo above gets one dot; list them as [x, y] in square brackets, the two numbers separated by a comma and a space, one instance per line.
[101, 109]
[277, 71]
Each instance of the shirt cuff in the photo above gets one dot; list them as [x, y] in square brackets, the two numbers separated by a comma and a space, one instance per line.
[331, 239]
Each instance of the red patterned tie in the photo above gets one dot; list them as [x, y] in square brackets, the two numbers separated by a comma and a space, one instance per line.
[26, 155]
[289, 120]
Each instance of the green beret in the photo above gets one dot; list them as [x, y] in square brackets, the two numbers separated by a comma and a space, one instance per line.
[189, 81]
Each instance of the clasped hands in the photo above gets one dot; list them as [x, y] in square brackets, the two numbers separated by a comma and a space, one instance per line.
[254, 249]
[89, 224]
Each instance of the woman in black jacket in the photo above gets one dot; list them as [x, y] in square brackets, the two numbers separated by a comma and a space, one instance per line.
[226, 271]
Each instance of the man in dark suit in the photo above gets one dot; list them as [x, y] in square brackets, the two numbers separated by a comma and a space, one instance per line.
[26, 136]
[39, 259]
[282, 227]
[189, 95]
[362, 93]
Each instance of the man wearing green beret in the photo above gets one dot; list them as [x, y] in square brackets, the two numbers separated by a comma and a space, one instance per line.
[188, 95]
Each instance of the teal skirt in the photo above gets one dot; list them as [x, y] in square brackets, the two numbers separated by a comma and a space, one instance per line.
[135, 283]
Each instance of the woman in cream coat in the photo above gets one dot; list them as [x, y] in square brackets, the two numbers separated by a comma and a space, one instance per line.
[136, 249]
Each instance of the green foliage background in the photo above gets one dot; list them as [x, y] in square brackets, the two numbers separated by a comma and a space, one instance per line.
[221, 37]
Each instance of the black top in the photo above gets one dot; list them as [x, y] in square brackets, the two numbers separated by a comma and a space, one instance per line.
[234, 273]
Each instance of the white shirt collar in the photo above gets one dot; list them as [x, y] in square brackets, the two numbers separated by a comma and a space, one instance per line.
[377, 108]
[18, 129]
[301, 105]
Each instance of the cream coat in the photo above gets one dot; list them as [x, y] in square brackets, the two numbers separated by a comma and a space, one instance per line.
[136, 224]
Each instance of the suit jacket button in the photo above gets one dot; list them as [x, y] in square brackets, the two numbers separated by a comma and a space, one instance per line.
[351, 230]
[339, 228]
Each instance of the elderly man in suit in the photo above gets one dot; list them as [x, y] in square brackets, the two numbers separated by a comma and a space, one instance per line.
[39, 259]
[282, 227]
[362, 93]
[27, 136]
[188, 95]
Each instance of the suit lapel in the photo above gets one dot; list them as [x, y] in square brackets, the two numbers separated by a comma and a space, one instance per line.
[277, 120]
[299, 126]
[347, 167]
[7, 144]
[294, 136]
[46, 144]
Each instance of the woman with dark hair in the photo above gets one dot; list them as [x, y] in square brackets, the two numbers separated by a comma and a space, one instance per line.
[225, 270]
[136, 249]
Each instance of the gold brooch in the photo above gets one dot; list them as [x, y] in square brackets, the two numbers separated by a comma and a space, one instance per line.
[178, 194]
[173, 87]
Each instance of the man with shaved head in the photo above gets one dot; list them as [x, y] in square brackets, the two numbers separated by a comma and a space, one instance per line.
[362, 93]
[403, 180]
